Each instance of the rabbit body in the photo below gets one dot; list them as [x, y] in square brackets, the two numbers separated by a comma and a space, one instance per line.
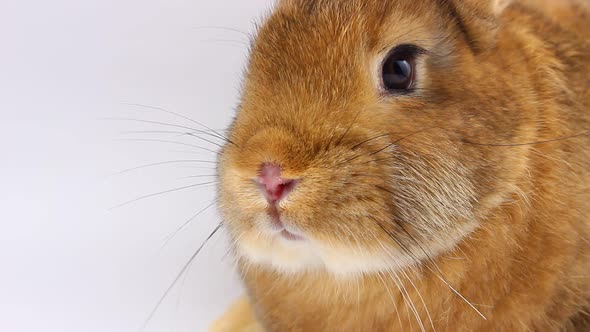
[461, 206]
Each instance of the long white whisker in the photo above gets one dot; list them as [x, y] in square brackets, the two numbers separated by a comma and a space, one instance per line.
[462, 297]
[164, 124]
[211, 27]
[162, 192]
[186, 161]
[438, 273]
[393, 301]
[421, 299]
[183, 226]
[412, 305]
[168, 142]
[175, 281]
[396, 309]
[183, 117]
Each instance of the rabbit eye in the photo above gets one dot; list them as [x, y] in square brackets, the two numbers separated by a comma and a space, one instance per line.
[399, 69]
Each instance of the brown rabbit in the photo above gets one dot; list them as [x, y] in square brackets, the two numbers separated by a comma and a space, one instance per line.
[413, 165]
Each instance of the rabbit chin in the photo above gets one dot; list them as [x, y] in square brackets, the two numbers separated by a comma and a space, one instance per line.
[288, 256]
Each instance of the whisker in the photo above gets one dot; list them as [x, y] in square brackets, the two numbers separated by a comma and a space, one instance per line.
[429, 259]
[403, 296]
[165, 124]
[393, 275]
[181, 133]
[183, 226]
[368, 140]
[184, 117]
[421, 299]
[411, 303]
[380, 159]
[151, 132]
[165, 141]
[211, 27]
[462, 297]
[182, 271]
[401, 139]
[349, 127]
[398, 242]
[395, 305]
[197, 176]
[166, 163]
[237, 42]
[385, 147]
[163, 192]
[393, 301]
[530, 143]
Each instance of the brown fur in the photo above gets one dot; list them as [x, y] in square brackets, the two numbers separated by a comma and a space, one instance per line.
[461, 184]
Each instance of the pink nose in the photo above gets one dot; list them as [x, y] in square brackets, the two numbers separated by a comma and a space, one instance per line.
[274, 187]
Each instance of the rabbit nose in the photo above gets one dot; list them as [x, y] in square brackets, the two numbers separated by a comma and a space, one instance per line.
[272, 184]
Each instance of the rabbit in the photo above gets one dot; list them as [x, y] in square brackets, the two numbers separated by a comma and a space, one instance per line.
[412, 165]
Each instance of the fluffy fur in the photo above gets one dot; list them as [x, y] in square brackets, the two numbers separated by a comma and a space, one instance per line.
[462, 206]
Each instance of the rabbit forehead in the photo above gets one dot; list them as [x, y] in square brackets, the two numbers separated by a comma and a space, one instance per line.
[336, 43]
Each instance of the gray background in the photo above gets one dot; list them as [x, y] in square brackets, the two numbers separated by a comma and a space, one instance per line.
[69, 262]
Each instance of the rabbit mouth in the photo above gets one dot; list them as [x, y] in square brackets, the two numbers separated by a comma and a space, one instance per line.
[280, 228]
[291, 236]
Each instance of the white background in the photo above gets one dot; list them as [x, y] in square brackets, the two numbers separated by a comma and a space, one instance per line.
[68, 261]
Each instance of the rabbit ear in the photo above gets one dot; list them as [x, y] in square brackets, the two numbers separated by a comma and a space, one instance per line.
[479, 20]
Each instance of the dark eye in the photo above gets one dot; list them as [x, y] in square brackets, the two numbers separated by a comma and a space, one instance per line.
[399, 69]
